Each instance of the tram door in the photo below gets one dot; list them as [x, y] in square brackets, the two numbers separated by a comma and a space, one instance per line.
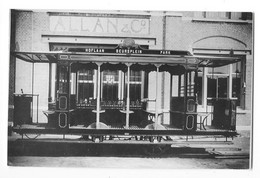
[183, 106]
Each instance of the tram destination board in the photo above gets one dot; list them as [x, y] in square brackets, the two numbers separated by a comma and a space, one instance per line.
[130, 51]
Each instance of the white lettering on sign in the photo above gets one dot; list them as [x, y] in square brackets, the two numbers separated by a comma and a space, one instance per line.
[93, 50]
[99, 25]
[165, 52]
[129, 51]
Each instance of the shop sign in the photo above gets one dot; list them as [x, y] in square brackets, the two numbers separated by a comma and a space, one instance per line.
[100, 25]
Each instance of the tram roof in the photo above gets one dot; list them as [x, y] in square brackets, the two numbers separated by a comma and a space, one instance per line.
[144, 56]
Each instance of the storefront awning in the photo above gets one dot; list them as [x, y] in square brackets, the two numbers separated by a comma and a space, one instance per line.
[215, 61]
[37, 57]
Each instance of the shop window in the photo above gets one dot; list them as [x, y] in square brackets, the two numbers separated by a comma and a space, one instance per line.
[218, 82]
[236, 81]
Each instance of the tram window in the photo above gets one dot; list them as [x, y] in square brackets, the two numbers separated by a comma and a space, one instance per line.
[135, 85]
[181, 85]
[199, 86]
[63, 84]
[190, 83]
[175, 85]
[85, 85]
[110, 82]
[86, 91]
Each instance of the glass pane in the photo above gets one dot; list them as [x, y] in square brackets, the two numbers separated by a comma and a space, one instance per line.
[110, 91]
[135, 85]
[86, 91]
[219, 70]
[222, 87]
[63, 84]
[199, 90]
[212, 83]
[85, 85]
[236, 67]
[135, 76]
[190, 83]
[182, 87]
[175, 85]
[110, 85]
[135, 92]
[236, 89]
[86, 75]
[110, 76]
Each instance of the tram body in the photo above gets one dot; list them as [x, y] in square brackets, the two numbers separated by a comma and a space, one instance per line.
[117, 102]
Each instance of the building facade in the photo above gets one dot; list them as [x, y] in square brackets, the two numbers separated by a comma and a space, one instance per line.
[201, 33]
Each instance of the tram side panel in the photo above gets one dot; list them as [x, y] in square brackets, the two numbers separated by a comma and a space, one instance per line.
[191, 114]
[224, 114]
[22, 109]
[183, 117]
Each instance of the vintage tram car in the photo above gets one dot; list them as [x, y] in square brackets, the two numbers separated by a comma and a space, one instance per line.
[103, 93]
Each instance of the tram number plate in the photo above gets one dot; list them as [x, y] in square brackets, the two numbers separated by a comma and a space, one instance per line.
[126, 133]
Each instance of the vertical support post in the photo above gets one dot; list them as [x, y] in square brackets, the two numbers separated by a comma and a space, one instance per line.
[37, 108]
[50, 82]
[128, 96]
[156, 97]
[119, 85]
[217, 88]
[95, 83]
[230, 82]
[77, 83]
[32, 89]
[98, 97]
[204, 88]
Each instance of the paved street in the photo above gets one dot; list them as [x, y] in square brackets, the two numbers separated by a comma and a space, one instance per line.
[133, 163]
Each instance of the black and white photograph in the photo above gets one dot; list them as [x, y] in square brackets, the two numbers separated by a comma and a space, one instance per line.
[131, 89]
